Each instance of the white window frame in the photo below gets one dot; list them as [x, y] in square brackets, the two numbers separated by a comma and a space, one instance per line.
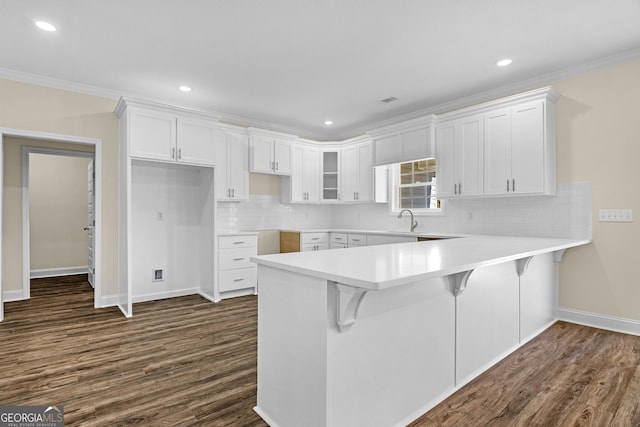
[394, 184]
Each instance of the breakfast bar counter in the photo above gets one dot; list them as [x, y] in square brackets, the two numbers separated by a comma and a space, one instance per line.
[378, 335]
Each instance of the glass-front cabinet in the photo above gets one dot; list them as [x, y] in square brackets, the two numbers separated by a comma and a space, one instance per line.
[330, 175]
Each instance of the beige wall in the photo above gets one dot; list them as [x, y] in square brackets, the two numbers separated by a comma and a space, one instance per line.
[58, 211]
[264, 185]
[599, 141]
[36, 108]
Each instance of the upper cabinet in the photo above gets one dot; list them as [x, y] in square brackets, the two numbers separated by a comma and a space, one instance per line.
[330, 169]
[168, 134]
[403, 142]
[500, 148]
[269, 152]
[357, 172]
[303, 184]
[459, 145]
[232, 168]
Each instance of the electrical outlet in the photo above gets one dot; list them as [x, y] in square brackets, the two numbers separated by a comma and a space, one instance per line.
[615, 215]
[159, 216]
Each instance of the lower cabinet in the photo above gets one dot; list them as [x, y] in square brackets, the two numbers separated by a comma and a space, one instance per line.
[237, 275]
[314, 241]
[338, 240]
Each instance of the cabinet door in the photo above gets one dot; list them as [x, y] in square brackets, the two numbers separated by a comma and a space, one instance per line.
[330, 176]
[497, 152]
[469, 156]
[349, 173]
[365, 172]
[196, 141]
[297, 174]
[282, 157]
[223, 189]
[238, 165]
[447, 185]
[261, 154]
[312, 174]
[153, 135]
[527, 148]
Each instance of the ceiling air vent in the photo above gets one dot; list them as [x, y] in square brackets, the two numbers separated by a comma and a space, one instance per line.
[389, 99]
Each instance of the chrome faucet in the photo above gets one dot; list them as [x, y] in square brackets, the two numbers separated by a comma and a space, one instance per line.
[414, 224]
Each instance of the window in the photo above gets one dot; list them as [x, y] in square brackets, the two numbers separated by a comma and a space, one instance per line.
[413, 185]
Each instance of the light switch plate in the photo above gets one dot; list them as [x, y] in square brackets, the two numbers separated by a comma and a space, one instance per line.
[615, 215]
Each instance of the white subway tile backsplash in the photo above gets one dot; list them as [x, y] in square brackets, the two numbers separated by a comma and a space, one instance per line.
[568, 214]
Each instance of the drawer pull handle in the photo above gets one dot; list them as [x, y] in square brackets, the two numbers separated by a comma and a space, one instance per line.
[337, 238]
[238, 259]
[238, 280]
[356, 240]
[315, 238]
[238, 243]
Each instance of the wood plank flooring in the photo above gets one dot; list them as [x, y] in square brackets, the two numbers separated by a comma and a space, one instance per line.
[188, 362]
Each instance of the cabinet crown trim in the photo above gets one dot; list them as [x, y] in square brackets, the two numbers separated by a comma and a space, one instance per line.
[126, 102]
[278, 135]
[545, 93]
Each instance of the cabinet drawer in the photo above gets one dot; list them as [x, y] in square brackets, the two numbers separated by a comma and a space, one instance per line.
[339, 238]
[227, 242]
[357, 239]
[315, 247]
[307, 238]
[242, 278]
[235, 258]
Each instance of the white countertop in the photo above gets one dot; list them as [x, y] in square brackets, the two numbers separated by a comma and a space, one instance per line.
[386, 266]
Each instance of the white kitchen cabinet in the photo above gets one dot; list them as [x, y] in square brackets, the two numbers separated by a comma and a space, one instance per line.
[357, 173]
[499, 148]
[303, 185]
[330, 167]
[315, 241]
[338, 240]
[459, 157]
[519, 152]
[166, 203]
[405, 141]
[232, 169]
[237, 275]
[354, 240]
[270, 154]
[163, 135]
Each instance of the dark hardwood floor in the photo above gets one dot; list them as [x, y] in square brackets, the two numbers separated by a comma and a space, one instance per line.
[188, 362]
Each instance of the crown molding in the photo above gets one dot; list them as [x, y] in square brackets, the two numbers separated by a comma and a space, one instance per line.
[525, 85]
[126, 102]
[502, 91]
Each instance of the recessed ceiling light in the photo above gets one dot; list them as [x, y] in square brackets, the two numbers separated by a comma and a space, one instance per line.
[328, 122]
[185, 88]
[504, 62]
[45, 26]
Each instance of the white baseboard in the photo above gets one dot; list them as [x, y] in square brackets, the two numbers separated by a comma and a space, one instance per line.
[264, 416]
[108, 301]
[163, 295]
[601, 321]
[8, 296]
[55, 272]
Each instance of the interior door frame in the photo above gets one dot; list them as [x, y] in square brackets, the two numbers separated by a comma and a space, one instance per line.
[45, 136]
[26, 209]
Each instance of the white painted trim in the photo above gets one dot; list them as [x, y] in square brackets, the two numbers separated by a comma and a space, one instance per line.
[601, 321]
[266, 417]
[163, 295]
[8, 296]
[27, 273]
[108, 301]
[45, 136]
[57, 272]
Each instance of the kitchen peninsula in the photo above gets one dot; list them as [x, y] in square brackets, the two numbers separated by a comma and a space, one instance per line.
[377, 335]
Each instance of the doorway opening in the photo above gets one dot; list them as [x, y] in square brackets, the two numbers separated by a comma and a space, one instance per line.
[15, 253]
[58, 214]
